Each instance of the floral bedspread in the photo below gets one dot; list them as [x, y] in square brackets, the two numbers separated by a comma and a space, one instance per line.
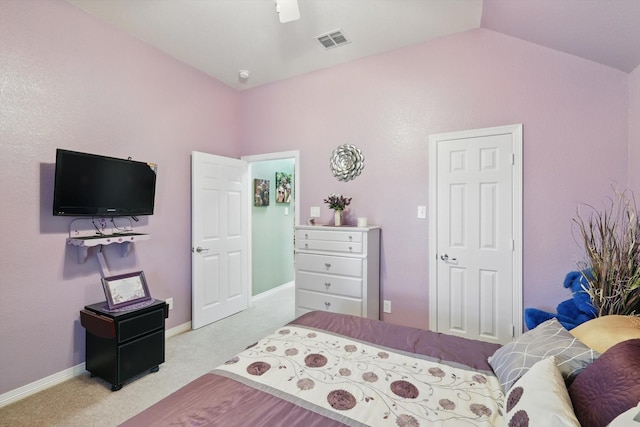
[361, 384]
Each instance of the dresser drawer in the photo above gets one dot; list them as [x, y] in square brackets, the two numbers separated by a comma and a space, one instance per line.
[140, 325]
[329, 264]
[325, 283]
[335, 236]
[138, 355]
[329, 246]
[307, 300]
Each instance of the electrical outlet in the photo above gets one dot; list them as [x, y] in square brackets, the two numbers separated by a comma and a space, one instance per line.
[386, 307]
[169, 302]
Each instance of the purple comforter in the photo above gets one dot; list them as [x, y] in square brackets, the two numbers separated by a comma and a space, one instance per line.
[214, 400]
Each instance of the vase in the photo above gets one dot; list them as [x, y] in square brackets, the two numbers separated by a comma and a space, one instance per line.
[337, 218]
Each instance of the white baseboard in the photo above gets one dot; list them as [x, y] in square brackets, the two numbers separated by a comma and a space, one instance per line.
[42, 384]
[62, 376]
[277, 289]
[177, 330]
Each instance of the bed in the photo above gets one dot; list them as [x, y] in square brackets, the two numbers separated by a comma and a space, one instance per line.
[327, 369]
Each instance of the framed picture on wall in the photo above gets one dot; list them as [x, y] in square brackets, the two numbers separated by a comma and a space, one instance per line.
[283, 187]
[260, 192]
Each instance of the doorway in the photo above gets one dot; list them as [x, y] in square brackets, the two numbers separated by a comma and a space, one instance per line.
[475, 233]
[222, 203]
[272, 219]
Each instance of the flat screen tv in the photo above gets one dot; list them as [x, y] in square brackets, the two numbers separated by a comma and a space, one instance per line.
[93, 185]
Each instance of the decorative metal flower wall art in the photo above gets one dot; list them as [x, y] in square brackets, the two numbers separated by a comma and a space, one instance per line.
[347, 162]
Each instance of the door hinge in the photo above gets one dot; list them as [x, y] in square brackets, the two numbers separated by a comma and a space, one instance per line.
[513, 331]
[513, 159]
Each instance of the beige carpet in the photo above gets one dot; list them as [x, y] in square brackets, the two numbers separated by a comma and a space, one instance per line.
[88, 402]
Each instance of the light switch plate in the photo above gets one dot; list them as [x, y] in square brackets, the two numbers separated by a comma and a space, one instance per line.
[422, 212]
[315, 212]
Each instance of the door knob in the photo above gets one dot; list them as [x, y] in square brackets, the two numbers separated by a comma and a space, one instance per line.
[446, 258]
[200, 250]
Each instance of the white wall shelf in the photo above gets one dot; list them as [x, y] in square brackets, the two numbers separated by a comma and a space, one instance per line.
[85, 233]
[84, 243]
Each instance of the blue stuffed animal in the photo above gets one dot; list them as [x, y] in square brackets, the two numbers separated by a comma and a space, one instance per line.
[571, 312]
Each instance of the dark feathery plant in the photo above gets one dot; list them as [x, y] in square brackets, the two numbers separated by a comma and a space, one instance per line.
[337, 201]
[612, 262]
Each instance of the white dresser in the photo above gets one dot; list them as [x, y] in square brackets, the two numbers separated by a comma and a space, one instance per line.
[338, 270]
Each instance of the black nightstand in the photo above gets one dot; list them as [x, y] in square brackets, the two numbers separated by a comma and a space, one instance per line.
[123, 344]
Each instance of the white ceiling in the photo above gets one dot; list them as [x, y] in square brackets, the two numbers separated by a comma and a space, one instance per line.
[222, 37]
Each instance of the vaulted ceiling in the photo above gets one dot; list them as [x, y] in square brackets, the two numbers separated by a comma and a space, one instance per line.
[222, 37]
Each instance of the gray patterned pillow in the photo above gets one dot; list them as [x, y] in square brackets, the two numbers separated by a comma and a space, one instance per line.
[550, 338]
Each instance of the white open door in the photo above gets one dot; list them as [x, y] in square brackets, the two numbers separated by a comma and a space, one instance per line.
[219, 237]
[475, 288]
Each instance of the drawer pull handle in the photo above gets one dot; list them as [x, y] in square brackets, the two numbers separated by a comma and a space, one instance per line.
[327, 284]
[350, 238]
[350, 248]
[326, 264]
[327, 304]
[306, 236]
[306, 245]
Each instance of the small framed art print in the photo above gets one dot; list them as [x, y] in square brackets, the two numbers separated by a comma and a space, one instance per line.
[125, 289]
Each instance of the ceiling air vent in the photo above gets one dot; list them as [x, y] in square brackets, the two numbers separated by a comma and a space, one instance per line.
[333, 39]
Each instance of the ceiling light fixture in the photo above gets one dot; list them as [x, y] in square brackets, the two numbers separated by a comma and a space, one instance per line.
[288, 10]
[244, 75]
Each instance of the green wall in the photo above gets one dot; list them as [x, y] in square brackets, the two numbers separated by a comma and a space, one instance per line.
[272, 230]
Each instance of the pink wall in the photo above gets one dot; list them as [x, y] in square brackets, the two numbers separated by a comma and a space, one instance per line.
[69, 81]
[634, 131]
[574, 114]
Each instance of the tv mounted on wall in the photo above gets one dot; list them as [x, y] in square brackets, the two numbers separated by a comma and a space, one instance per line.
[93, 185]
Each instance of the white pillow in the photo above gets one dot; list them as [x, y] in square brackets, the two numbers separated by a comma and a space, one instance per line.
[540, 398]
[630, 418]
